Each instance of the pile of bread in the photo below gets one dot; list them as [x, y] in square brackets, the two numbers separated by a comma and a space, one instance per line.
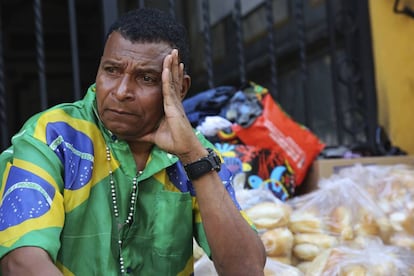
[358, 222]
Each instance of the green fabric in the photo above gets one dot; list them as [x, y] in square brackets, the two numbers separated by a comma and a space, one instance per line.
[57, 164]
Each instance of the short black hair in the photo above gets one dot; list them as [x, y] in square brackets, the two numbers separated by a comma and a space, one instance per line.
[153, 25]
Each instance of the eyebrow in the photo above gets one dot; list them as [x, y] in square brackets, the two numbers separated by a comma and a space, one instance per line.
[110, 61]
[140, 69]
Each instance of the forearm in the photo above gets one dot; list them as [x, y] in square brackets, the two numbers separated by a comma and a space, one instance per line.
[27, 261]
[236, 248]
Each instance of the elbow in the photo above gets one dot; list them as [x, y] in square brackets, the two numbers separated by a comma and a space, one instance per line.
[10, 266]
[28, 261]
[247, 264]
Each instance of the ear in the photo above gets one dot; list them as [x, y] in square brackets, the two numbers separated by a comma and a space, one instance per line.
[186, 86]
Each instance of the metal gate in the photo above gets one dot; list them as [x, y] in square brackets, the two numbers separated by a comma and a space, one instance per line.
[314, 56]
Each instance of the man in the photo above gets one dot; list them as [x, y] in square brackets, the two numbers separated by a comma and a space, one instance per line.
[112, 184]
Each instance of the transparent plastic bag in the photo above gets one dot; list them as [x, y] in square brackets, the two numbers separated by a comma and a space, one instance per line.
[276, 268]
[250, 197]
[392, 188]
[263, 209]
[204, 267]
[340, 207]
[368, 257]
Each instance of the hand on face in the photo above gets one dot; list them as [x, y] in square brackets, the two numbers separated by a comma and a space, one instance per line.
[174, 133]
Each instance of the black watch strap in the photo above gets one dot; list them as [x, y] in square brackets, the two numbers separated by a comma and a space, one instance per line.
[203, 165]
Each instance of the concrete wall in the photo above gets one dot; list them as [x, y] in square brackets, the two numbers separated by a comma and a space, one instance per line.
[393, 45]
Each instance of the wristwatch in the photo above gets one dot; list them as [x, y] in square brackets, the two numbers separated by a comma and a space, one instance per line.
[203, 165]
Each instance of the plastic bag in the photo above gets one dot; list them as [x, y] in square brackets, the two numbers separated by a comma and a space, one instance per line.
[263, 209]
[275, 130]
[340, 211]
[371, 257]
[247, 198]
[338, 203]
[275, 268]
[392, 188]
[204, 267]
[270, 215]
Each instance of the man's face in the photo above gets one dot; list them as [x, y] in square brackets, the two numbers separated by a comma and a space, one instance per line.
[129, 86]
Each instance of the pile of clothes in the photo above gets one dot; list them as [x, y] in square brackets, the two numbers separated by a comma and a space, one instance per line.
[261, 144]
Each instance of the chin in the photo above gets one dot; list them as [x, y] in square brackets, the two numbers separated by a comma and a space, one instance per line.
[119, 130]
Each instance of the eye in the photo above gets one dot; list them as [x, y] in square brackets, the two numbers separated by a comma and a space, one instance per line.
[148, 78]
[113, 70]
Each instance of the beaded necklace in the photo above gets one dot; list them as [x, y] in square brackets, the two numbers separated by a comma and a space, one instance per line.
[130, 216]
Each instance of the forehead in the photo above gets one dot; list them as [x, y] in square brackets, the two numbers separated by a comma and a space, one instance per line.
[119, 48]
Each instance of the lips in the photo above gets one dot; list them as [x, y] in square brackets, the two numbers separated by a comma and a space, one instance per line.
[120, 112]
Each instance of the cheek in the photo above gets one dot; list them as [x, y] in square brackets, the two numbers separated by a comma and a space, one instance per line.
[103, 88]
[101, 83]
[156, 106]
[100, 100]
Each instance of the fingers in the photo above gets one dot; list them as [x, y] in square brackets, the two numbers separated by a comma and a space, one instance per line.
[175, 68]
[166, 76]
[173, 74]
[178, 70]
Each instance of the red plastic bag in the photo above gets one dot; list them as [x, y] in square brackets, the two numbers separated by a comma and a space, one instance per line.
[275, 130]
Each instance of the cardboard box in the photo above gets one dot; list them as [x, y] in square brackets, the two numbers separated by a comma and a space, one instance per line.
[324, 168]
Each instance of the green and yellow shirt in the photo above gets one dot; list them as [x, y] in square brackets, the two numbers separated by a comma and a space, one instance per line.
[55, 194]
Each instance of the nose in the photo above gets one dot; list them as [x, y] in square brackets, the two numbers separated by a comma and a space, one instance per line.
[124, 90]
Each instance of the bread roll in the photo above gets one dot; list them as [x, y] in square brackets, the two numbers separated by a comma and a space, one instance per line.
[321, 240]
[354, 270]
[318, 264]
[402, 239]
[367, 226]
[283, 260]
[402, 221]
[278, 242]
[341, 222]
[306, 251]
[385, 228]
[387, 267]
[304, 266]
[305, 222]
[324, 262]
[408, 223]
[269, 215]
